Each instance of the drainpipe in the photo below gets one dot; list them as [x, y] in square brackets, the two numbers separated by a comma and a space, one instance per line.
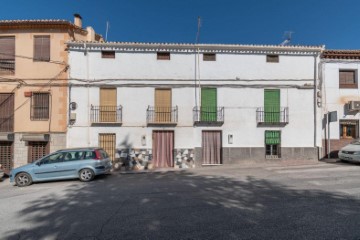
[315, 100]
[88, 94]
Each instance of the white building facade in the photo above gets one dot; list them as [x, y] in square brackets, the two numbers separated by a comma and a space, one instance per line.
[340, 95]
[185, 105]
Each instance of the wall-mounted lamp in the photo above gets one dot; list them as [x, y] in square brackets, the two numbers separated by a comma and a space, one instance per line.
[230, 139]
[143, 140]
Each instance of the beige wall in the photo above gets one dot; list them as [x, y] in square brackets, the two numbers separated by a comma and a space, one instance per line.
[36, 76]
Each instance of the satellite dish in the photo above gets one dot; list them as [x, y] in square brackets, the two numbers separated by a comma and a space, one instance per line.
[73, 106]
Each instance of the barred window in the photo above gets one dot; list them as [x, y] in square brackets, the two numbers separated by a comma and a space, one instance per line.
[347, 79]
[37, 150]
[40, 105]
[42, 48]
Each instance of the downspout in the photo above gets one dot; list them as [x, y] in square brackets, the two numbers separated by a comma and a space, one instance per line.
[315, 101]
[88, 94]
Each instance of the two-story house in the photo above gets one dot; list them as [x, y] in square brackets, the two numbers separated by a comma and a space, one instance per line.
[34, 86]
[340, 94]
[186, 105]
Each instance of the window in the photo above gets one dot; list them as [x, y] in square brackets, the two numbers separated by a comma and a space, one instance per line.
[42, 48]
[6, 112]
[349, 129]
[347, 79]
[37, 150]
[40, 104]
[272, 144]
[209, 57]
[108, 54]
[163, 56]
[53, 158]
[7, 55]
[272, 58]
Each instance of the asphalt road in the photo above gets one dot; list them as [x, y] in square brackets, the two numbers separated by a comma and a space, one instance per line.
[318, 201]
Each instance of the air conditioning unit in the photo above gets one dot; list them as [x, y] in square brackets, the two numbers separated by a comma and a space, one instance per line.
[354, 105]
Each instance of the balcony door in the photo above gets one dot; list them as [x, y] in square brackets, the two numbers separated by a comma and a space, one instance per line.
[208, 105]
[108, 104]
[272, 105]
[162, 105]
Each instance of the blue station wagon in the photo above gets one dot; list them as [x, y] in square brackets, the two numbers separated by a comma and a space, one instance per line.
[82, 163]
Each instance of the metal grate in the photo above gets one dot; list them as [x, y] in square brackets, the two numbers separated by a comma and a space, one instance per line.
[7, 55]
[6, 155]
[208, 114]
[107, 141]
[272, 117]
[40, 105]
[37, 150]
[106, 114]
[6, 112]
[162, 115]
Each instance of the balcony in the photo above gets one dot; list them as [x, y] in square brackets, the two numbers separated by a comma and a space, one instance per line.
[162, 115]
[7, 66]
[106, 115]
[272, 117]
[208, 116]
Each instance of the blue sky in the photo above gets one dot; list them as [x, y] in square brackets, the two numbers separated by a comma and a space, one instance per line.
[334, 23]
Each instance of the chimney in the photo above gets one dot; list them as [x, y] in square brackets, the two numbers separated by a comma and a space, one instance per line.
[78, 20]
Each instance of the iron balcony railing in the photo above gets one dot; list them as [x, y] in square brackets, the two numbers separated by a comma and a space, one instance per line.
[162, 115]
[106, 114]
[208, 114]
[7, 67]
[272, 116]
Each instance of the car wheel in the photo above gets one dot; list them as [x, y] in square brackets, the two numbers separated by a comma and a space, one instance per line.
[86, 175]
[23, 180]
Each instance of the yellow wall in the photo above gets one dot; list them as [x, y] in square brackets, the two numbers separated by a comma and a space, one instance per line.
[32, 72]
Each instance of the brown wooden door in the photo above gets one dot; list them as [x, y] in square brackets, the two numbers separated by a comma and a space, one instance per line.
[107, 141]
[163, 149]
[211, 147]
[108, 104]
[163, 105]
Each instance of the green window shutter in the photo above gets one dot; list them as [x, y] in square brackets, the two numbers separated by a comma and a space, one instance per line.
[272, 137]
[208, 104]
[272, 105]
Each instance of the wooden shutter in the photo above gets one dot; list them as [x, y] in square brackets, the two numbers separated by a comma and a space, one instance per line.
[163, 105]
[108, 100]
[272, 137]
[209, 57]
[272, 58]
[347, 79]
[108, 54]
[7, 55]
[42, 48]
[163, 56]
[6, 112]
[107, 141]
[272, 105]
[208, 104]
[7, 48]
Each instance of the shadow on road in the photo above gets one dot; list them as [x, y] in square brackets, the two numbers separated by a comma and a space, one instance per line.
[187, 205]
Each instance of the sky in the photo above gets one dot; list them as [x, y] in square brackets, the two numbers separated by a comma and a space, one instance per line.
[333, 23]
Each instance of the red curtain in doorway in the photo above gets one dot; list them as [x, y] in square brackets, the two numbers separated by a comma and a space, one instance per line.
[211, 147]
[163, 148]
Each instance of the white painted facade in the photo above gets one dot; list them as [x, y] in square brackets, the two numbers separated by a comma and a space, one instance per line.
[240, 74]
[336, 98]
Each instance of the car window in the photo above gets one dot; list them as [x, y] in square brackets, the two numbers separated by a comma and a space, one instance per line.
[104, 154]
[53, 158]
[356, 142]
[89, 155]
[74, 156]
